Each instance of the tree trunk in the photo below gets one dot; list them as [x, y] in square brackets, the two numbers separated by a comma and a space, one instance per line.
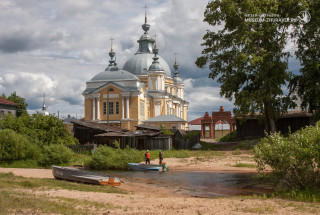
[266, 119]
[270, 124]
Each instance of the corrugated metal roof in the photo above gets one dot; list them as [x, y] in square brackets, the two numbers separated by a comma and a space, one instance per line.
[128, 134]
[149, 127]
[165, 118]
[100, 127]
[7, 102]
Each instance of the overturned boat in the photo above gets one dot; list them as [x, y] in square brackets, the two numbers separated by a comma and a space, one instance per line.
[74, 174]
[144, 167]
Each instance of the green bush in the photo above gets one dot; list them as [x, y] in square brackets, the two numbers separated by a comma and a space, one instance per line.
[56, 154]
[15, 146]
[294, 160]
[231, 137]
[43, 130]
[106, 157]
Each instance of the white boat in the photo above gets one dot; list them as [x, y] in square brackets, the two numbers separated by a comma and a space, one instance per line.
[73, 174]
[145, 167]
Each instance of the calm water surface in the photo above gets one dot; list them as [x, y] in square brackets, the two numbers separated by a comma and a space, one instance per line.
[200, 184]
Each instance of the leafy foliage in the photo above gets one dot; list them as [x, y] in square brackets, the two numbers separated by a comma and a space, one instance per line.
[22, 108]
[44, 130]
[36, 139]
[230, 137]
[307, 83]
[106, 157]
[56, 154]
[248, 58]
[295, 161]
[15, 146]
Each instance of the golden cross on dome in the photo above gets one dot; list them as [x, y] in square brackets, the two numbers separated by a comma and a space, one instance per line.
[111, 39]
[175, 57]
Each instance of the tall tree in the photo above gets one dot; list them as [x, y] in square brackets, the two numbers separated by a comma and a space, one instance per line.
[307, 83]
[247, 56]
[22, 108]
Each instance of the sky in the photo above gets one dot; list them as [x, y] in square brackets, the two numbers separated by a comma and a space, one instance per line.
[54, 47]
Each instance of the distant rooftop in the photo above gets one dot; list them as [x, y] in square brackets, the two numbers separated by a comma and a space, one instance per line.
[196, 121]
[7, 102]
[165, 118]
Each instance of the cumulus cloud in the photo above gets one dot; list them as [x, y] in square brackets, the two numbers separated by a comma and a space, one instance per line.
[204, 99]
[56, 46]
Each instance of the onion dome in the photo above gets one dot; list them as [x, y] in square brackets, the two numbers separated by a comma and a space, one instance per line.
[156, 66]
[139, 63]
[176, 77]
[113, 73]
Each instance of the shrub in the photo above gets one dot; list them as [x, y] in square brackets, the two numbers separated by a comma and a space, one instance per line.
[231, 137]
[56, 154]
[106, 157]
[294, 160]
[15, 146]
[44, 130]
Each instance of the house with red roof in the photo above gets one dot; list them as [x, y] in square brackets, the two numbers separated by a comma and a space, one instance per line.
[7, 107]
[195, 125]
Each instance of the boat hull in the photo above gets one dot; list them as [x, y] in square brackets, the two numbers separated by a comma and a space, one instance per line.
[73, 174]
[144, 167]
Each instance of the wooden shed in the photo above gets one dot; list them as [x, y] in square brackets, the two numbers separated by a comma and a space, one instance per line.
[253, 127]
[136, 139]
[85, 131]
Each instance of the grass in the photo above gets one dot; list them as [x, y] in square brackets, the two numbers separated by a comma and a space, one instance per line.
[10, 181]
[16, 198]
[262, 209]
[306, 195]
[13, 202]
[237, 152]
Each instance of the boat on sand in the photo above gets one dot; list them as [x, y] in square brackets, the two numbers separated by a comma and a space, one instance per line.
[82, 176]
[144, 167]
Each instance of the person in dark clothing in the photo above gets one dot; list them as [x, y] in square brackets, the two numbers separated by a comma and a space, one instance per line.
[147, 157]
[160, 157]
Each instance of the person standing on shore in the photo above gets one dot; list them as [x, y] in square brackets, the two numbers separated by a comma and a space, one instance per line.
[147, 157]
[160, 157]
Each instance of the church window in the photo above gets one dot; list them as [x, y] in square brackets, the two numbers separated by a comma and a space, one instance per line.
[111, 108]
[170, 90]
[117, 107]
[174, 128]
[142, 108]
[104, 108]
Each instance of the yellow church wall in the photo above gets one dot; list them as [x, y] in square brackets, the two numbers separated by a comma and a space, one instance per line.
[88, 109]
[151, 108]
[134, 107]
[125, 124]
[163, 107]
[185, 117]
[114, 116]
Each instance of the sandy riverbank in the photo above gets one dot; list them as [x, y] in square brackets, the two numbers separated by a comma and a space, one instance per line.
[149, 199]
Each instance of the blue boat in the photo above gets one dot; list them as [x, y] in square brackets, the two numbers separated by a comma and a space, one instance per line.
[144, 167]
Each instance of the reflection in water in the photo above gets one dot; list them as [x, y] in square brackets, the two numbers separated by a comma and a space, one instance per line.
[201, 184]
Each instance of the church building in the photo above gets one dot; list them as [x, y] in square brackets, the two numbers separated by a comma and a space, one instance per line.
[140, 92]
